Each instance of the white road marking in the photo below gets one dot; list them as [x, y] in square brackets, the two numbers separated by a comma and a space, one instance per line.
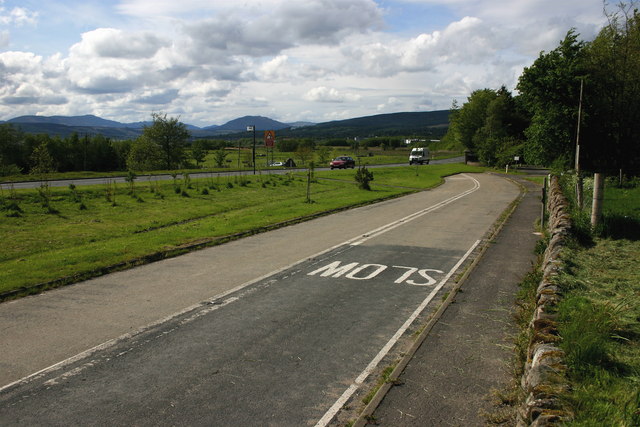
[328, 416]
[112, 342]
[388, 227]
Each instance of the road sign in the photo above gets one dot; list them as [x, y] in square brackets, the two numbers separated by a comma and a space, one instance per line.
[269, 138]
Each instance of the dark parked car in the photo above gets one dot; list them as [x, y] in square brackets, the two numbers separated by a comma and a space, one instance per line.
[342, 162]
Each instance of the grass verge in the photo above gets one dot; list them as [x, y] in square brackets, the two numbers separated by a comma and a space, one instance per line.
[68, 234]
[599, 316]
[600, 329]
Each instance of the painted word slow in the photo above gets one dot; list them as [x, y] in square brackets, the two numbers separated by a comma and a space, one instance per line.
[358, 271]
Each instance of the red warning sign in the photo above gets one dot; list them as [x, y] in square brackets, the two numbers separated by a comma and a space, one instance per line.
[269, 138]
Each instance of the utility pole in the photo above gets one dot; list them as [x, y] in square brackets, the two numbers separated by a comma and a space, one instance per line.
[579, 184]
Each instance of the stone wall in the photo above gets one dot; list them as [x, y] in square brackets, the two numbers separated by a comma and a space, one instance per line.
[544, 375]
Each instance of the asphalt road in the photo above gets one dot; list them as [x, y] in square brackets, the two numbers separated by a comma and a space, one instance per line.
[283, 328]
[166, 177]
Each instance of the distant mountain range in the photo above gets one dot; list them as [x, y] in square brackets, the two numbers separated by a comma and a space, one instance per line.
[383, 124]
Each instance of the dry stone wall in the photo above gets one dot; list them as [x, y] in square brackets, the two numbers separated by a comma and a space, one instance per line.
[544, 375]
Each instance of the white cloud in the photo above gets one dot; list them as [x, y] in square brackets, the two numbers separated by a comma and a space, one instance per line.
[301, 60]
[325, 94]
[17, 16]
[467, 41]
[113, 43]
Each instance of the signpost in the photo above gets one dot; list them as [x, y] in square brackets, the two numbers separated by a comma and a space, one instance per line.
[249, 129]
[269, 142]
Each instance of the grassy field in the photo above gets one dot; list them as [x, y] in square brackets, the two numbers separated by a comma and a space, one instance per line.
[75, 233]
[600, 315]
[373, 156]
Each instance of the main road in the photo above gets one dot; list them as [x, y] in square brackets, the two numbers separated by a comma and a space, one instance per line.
[165, 177]
[284, 328]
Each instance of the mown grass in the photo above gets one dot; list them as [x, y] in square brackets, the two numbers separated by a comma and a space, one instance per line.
[52, 233]
[600, 314]
[373, 156]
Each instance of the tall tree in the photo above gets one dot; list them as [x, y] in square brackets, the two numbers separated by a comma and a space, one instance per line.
[612, 94]
[171, 136]
[11, 146]
[550, 91]
[145, 155]
[466, 121]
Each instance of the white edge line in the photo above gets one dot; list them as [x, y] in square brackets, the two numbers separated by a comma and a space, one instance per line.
[114, 341]
[388, 227]
[328, 416]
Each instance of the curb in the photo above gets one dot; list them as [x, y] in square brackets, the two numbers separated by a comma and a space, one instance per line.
[393, 379]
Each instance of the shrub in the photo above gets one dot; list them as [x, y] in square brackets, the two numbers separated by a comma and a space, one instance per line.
[363, 177]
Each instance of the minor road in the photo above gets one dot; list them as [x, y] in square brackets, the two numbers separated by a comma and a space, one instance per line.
[166, 177]
[277, 329]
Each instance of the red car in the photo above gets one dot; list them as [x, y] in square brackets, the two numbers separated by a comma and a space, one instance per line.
[342, 162]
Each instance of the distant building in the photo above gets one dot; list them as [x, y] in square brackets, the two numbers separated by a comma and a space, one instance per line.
[409, 141]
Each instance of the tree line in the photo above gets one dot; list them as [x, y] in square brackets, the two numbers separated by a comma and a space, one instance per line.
[540, 122]
[165, 144]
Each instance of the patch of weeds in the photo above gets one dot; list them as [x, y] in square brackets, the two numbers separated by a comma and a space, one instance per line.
[11, 207]
[229, 184]
[504, 406]
[177, 190]
[184, 193]
[384, 378]
[525, 307]
[204, 191]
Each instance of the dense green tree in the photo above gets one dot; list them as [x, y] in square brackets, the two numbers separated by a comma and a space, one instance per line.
[145, 155]
[171, 136]
[11, 148]
[500, 138]
[470, 118]
[490, 124]
[287, 145]
[612, 94]
[550, 90]
[121, 150]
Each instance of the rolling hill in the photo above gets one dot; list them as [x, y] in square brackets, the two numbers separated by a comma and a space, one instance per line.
[420, 123]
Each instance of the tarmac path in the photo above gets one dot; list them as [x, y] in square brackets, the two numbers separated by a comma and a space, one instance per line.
[281, 328]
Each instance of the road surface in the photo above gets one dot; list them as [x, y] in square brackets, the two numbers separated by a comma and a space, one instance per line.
[283, 328]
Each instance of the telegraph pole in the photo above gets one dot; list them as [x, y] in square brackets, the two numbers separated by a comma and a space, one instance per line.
[579, 186]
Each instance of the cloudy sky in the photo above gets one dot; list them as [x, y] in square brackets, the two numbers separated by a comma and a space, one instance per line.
[210, 61]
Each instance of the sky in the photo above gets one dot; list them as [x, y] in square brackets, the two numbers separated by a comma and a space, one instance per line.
[211, 61]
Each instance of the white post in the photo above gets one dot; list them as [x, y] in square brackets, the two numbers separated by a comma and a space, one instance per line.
[598, 194]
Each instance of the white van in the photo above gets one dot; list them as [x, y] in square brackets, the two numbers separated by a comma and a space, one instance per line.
[419, 155]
